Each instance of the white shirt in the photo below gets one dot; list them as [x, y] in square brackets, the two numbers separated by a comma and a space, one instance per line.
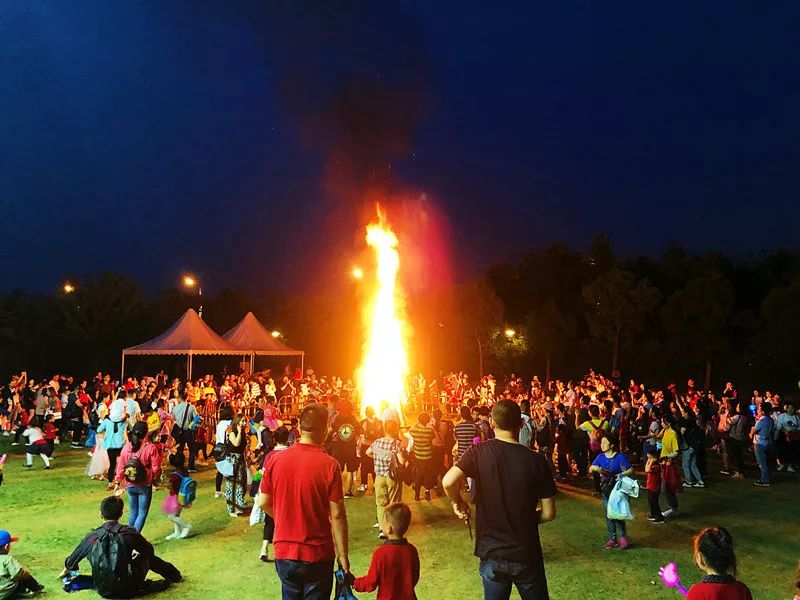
[117, 410]
[34, 434]
[222, 427]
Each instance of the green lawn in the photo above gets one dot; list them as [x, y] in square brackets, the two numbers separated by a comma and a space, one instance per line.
[52, 510]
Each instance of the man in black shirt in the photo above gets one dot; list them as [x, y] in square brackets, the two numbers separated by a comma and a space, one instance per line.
[141, 556]
[509, 481]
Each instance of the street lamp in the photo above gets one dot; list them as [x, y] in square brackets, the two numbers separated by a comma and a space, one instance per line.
[276, 334]
[510, 333]
[191, 282]
[358, 273]
[68, 288]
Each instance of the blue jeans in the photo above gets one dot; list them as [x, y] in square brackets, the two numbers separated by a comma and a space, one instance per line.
[763, 464]
[690, 471]
[499, 575]
[139, 497]
[616, 528]
[304, 580]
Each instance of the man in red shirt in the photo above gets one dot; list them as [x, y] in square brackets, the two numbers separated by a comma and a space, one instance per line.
[302, 490]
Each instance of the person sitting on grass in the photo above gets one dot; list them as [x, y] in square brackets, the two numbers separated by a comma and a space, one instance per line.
[713, 554]
[394, 569]
[120, 557]
[15, 581]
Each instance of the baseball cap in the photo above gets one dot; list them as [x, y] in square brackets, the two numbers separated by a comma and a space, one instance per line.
[6, 538]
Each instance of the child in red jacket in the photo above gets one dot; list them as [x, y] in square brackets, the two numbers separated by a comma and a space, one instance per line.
[713, 553]
[394, 570]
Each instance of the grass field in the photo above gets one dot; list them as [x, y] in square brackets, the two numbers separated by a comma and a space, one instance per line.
[52, 510]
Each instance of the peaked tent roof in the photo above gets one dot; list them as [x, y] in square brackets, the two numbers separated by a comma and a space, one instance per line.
[189, 335]
[251, 336]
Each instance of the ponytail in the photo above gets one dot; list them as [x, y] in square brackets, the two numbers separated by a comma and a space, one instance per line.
[715, 545]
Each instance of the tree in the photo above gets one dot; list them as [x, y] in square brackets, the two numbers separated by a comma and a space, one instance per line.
[479, 312]
[779, 339]
[550, 331]
[697, 317]
[618, 304]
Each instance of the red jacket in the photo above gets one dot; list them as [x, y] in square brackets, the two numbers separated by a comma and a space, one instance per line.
[394, 571]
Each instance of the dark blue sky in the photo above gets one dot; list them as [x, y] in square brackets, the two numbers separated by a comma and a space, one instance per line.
[236, 140]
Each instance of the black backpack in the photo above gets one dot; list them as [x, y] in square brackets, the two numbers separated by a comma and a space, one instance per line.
[135, 472]
[111, 565]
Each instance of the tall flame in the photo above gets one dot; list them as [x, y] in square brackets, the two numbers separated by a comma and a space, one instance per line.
[383, 370]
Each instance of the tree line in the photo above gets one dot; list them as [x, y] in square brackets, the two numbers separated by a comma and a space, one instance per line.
[554, 311]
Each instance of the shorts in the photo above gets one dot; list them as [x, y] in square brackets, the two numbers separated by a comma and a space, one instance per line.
[36, 449]
[348, 461]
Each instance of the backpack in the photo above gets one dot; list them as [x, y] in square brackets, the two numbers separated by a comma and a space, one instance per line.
[596, 435]
[134, 471]
[111, 567]
[187, 491]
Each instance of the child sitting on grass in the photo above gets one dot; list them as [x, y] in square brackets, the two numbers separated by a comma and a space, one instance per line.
[15, 582]
[394, 570]
[713, 553]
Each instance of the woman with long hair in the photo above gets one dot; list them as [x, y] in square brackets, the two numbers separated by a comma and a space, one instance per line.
[609, 465]
[236, 482]
[139, 465]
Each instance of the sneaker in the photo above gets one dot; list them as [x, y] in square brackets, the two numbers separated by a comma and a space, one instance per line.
[623, 543]
[263, 558]
[217, 494]
[656, 520]
[667, 513]
[610, 544]
[760, 483]
[381, 536]
[737, 475]
[362, 488]
[232, 514]
[15, 443]
[791, 469]
[699, 484]
[781, 467]
[724, 472]
[185, 532]
[47, 467]
[348, 495]
[28, 466]
[191, 470]
[376, 525]
[3, 459]
[686, 484]
[6, 434]
[172, 536]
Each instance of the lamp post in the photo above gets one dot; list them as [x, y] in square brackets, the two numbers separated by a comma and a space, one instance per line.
[191, 282]
[68, 288]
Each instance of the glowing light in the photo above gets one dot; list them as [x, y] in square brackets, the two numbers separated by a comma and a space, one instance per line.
[358, 273]
[510, 333]
[189, 281]
[68, 288]
[276, 334]
[384, 367]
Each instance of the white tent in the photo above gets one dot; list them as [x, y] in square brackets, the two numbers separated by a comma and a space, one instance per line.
[190, 335]
[250, 336]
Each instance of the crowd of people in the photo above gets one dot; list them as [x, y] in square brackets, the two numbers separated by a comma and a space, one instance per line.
[498, 444]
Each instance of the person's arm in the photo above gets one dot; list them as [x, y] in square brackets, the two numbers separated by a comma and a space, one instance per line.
[81, 551]
[340, 533]
[548, 512]
[453, 482]
[370, 581]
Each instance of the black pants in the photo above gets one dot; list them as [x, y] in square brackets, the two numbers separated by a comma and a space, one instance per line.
[423, 476]
[113, 455]
[76, 427]
[580, 451]
[735, 450]
[192, 451]
[563, 465]
[26, 583]
[218, 482]
[269, 528]
[653, 501]
[672, 499]
[367, 468]
[700, 456]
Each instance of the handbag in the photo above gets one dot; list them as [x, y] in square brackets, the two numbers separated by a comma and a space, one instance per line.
[225, 467]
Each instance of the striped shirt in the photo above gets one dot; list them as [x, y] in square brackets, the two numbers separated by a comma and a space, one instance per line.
[465, 433]
[423, 441]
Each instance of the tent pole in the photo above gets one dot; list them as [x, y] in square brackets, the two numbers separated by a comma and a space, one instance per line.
[122, 370]
[189, 367]
[252, 362]
[302, 363]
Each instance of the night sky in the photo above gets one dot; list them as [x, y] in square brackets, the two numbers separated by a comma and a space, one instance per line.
[243, 142]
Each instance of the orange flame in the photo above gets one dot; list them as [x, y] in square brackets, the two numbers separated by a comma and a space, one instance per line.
[384, 367]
